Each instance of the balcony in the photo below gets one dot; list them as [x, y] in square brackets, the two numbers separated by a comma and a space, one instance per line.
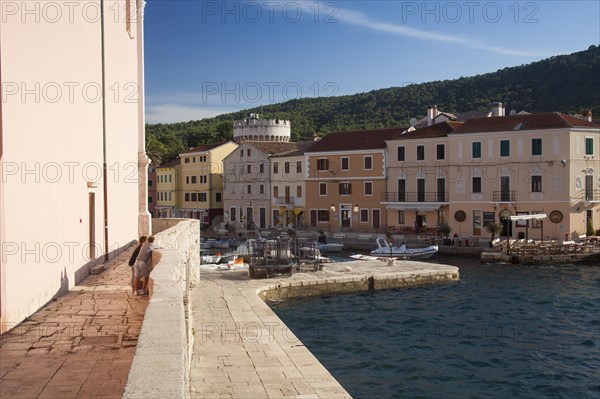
[504, 196]
[289, 201]
[415, 197]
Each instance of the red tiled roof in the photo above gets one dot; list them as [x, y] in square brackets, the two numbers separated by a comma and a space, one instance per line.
[357, 140]
[274, 148]
[548, 120]
[301, 148]
[202, 148]
[438, 130]
[170, 164]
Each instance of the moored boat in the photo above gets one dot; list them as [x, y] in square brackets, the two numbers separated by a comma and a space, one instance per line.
[384, 249]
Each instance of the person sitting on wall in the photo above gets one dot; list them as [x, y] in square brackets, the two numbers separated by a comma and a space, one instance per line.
[131, 263]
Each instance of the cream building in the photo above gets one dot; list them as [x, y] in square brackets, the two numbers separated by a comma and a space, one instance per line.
[525, 164]
[201, 181]
[74, 170]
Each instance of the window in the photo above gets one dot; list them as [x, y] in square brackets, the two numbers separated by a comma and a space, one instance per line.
[476, 149]
[299, 191]
[401, 153]
[420, 153]
[194, 197]
[368, 188]
[589, 146]
[322, 188]
[218, 197]
[249, 168]
[261, 189]
[186, 160]
[232, 214]
[536, 184]
[345, 188]
[536, 146]
[441, 189]
[194, 159]
[248, 152]
[249, 189]
[261, 168]
[150, 183]
[421, 190]
[401, 217]
[323, 164]
[345, 163]
[275, 191]
[170, 178]
[187, 196]
[504, 148]
[242, 153]
[150, 199]
[203, 179]
[368, 163]
[187, 180]
[323, 215]
[441, 151]
[298, 166]
[193, 179]
[275, 167]
[202, 197]
[286, 167]
[170, 196]
[536, 223]
[364, 216]
[477, 184]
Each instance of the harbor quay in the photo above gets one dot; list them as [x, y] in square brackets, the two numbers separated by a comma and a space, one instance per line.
[242, 349]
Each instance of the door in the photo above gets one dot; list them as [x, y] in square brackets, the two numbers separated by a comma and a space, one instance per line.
[376, 218]
[313, 218]
[287, 195]
[92, 219]
[262, 215]
[345, 213]
[249, 217]
[401, 190]
[441, 190]
[505, 188]
[420, 190]
[589, 187]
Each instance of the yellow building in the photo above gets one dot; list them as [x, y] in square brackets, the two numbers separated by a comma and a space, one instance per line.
[167, 189]
[346, 176]
[201, 183]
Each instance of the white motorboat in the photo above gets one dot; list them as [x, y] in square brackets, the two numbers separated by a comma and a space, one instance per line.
[384, 249]
[330, 247]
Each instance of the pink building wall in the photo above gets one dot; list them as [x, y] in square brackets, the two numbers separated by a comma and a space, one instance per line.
[52, 146]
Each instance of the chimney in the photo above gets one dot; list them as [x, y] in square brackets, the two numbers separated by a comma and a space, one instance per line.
[432, 112]
[497, 109]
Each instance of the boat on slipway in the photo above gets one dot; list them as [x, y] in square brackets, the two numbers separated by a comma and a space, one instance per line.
[384, 249]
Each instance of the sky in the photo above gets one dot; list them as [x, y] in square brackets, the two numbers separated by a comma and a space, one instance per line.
[205, 58]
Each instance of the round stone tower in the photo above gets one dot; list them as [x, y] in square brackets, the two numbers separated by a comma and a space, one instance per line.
[255, 129]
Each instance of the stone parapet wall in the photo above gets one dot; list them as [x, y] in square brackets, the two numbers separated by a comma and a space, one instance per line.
[161, 363]
[162, 224]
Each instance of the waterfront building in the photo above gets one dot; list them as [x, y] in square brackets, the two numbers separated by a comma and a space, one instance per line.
[288, 174]
[247, 182]
[418, 176]
[74, 186]
[525, 164]
[346, 177]
[152, 190]
[201, 182]
[168, 190]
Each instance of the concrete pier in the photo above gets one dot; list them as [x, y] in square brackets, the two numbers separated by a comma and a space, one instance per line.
[242, 349]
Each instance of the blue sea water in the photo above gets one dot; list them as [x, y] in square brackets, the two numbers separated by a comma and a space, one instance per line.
[502, 331]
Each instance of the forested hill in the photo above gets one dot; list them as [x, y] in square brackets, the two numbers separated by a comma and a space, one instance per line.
[565, 83]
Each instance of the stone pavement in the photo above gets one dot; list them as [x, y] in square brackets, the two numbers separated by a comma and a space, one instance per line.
[243, 350]
[79, 345]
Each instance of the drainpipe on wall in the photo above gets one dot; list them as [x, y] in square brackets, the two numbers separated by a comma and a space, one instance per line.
[104, 167]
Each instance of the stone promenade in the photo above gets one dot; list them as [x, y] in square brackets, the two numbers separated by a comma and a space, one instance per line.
[80, 345]
[243, 350]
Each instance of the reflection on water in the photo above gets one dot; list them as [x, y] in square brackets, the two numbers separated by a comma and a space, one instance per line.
[502, 331]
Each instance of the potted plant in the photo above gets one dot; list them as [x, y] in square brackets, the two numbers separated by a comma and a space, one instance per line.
[493, 228]
[445, 229]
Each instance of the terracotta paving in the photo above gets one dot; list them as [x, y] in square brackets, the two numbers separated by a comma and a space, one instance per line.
[80, 345]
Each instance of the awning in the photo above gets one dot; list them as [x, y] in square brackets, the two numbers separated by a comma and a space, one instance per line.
[298, 211]
[411, 206]
[528, 217]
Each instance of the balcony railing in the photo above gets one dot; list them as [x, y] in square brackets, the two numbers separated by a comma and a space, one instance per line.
[504, 196]
[285, 200]
[591, 195]
[415, 197]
